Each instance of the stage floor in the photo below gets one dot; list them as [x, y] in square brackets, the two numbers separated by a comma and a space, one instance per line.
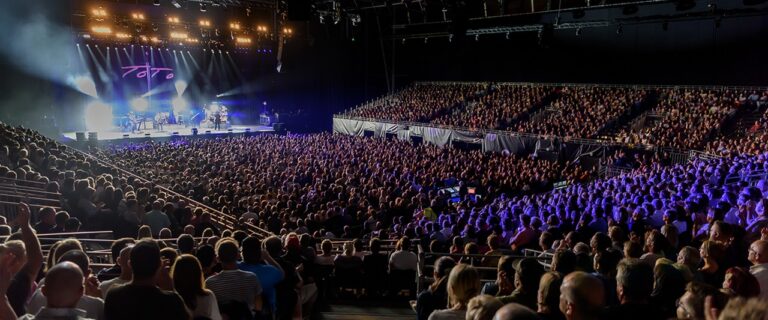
[168, 131]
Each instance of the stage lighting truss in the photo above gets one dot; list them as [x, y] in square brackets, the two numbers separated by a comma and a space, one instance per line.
[476, 33]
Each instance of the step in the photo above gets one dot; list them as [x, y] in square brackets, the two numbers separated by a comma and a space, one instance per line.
[363, 312]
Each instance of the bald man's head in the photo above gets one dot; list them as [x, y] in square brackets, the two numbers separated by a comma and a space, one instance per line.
[515, 311]
[63, 285]
[582, 296]
[758, 252]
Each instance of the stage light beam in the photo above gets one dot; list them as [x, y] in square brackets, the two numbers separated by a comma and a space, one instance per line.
[181, 86]
[139, 104]
[179, 105]
[84, 84]
[98, 116]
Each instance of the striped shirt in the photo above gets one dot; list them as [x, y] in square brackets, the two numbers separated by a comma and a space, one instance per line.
[235, 285]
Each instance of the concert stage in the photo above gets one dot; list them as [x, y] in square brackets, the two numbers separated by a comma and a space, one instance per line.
[168, 131]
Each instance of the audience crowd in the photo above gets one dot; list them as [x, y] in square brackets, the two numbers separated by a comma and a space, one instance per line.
[581, 112]
[752, 140]
[687, 241]
[281, 182]
[418, 103]
[688, 117]
[497, 109]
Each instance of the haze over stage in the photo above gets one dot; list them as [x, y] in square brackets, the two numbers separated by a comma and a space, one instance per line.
[110, 135]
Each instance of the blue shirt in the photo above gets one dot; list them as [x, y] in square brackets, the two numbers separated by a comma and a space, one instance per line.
[269, 277]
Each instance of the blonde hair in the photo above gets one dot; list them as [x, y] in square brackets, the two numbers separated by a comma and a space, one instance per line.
[463, 285]
[745, 309]
[482, 307]
[349, 248]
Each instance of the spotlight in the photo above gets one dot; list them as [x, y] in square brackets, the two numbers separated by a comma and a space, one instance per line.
[156, 3]
[176, 4]
[403, 42]
[450, 38]
[619, 29]
[202, 7]
[507, 36]
[425, 40]
[139, 104]
[578, 32]
[477, 37]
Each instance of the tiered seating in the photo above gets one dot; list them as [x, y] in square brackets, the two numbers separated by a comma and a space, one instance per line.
[498, 109]
[581, 112]
[418, 103]
[688, 117]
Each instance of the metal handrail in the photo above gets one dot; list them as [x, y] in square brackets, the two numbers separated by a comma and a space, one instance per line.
[215, 217]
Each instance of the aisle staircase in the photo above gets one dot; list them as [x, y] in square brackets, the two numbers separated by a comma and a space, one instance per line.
[364, 311]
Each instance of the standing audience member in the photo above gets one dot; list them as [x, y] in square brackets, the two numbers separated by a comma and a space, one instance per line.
[63, 289]
[141, 298]
[238, 292]
[269, 272]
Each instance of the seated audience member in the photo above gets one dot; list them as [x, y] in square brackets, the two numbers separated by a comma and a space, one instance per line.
[238, 292]
[712, 254]
[123, 261]
[403, 259]
[62, 290]
[548, 297]
[92, 305]
[375, 269]
[691, 303]
[740, 283]
[326, 258]
[115, 270]
[505, 279]
[744, 309]
[515, 311]
[47, 223]
[189, 284]
[435, 297]
[141, 298]
[758, 256]
[669, 285]
[483, 307]
[528, 272]
[463, 285]
[264, 267]
[634, 285]
[690, 257]
[581, 296]
[186, 244]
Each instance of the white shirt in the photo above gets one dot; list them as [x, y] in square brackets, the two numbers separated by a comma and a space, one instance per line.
[56, 313]
[760, 271]
[403, 260]
[109, 284]
[207, 307]
[93, 307]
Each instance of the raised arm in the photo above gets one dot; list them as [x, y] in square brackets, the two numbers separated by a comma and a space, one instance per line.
[32, 244]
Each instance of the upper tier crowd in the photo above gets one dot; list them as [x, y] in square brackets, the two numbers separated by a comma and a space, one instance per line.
[754, 140]
[688, 117]
[418, 103]
[498, 109]
[581, 112]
